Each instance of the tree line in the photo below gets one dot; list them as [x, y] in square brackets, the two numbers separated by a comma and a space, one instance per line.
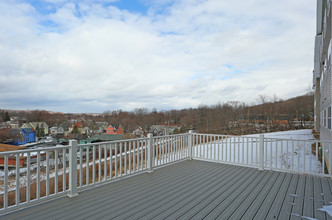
[233, 117]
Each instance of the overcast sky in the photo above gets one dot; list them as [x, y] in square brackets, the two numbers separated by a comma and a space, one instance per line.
[93, 56]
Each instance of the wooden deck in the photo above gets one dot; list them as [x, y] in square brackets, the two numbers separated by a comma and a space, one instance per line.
[196, 190]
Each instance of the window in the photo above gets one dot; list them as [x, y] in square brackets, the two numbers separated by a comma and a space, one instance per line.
[329, 118]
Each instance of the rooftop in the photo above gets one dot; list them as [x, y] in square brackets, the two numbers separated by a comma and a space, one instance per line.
[195, 189]
[181, 176]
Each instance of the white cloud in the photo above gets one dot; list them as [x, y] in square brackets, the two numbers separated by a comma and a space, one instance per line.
[195, 52]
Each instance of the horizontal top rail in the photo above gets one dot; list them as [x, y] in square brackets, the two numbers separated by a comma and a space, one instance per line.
[265, 137]
[171, 135]
[111, 142]
[33, 150]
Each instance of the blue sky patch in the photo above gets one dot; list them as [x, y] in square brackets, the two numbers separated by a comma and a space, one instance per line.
[134, 6]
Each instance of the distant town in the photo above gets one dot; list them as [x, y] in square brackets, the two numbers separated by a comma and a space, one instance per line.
[44, 128]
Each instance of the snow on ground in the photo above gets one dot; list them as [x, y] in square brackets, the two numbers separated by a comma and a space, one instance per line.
[304, 134]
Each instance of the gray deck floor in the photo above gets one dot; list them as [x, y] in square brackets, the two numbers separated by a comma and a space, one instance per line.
[195, 190]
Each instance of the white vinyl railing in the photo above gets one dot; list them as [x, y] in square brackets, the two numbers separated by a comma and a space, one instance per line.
[35, 175]
[291, 155]
[171, 148]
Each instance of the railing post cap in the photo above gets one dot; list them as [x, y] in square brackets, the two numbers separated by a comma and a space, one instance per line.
[191, 131]
[150, 135]
[72, 141]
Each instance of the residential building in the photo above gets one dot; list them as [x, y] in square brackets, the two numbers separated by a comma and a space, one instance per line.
[53, 130]
[322, 80]
[114, 129]
[138, 132]
[78, 125]
[165, 129]
[22, 136]
[35, 125]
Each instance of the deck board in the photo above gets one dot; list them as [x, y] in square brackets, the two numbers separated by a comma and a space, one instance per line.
[197, 190]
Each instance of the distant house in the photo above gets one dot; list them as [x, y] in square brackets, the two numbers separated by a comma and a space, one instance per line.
[114, 129]
[86, 130]
[139, 132]
[165, 129]
[60, 130]
[78, 125]
[35, 125]
[22, 136]
[53, 130]
[5, 125]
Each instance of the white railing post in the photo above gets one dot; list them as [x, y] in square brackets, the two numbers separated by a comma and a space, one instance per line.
[72, 169]
[150, 153]
[261, 152]
[190, 145]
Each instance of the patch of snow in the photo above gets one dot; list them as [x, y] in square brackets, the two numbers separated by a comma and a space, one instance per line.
[327, 209]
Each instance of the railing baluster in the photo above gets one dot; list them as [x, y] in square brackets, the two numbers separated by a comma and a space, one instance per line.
[5, 205]
[164, 150]
[310, 165]
[146, 153]
[242, 140]
[47, 173]
[116, 160]
[138, 155]
[282, 152]
[38, 175]
[157, 146]
[304, 148]
[129, 157]
[125, 155]
[111, 161]
[93, 164]
[298, 156]
[28, 178]
[105, 162]
[134, 157]
[17, 200]
[252, 150]
[169, 149]
[317, 149]
[277, 154]
[200, 146]
[226, 148]
[141, 143]
[99, 164]
[81, 167]
[121, 159]
[64, 169]
[265, 152]
[87, 160]
[323, 157]
[247, 149]
[56, 171]
[257, 150]
[292, 154]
